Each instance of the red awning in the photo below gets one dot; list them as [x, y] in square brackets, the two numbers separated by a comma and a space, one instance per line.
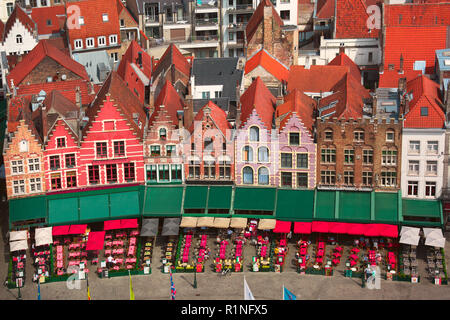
[372, 230]
[388, 230]
[77, 228]
[60, 230]
[302, 227]
[356, 229]
[112, 225]
[128, 223]
[96, 240]
[337, 227]
[282, 227]
[320, 226]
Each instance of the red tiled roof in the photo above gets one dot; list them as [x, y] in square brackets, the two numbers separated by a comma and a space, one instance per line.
[258, 97]
[34, 57]
[414, 43]
[217, 115]
[325, 9]
[343, 60]
[299, 103]
[351, 20]
[269, 63]
[172, 102]
[258, 16]
[425, 93]
[315, 79]
[389, 78]
[125, 100]
[176, 58]
[94, 26]
[420, 14]
[25, 20]
[2, 29]
[56, 15]
[17, 106]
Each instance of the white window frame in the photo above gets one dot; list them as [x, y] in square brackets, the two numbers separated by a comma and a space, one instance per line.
[36, 183]
[18, 164]
[414, 143]
[432, 165]
[428, 186]
[80, 41]
[101, 41]
[412, 164]
[393, 136]
[81, 21]
[19, 36]
[413, 184]
[112, 36]
[19, 184]
[87, 42]
[105, 15]
[432, 150]
[34, 163]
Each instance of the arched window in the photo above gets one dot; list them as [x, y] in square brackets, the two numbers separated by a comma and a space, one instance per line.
[23, 146]
[254, 133]
[18, 39]
[328, 135]
[263, 175]
[247, 154]
[248, 175]
[162, 133]
[263, 154]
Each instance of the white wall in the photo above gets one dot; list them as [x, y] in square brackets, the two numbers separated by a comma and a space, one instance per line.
[28, 41]
[356, 49]
[422, 135]
[198, 90]
[3, 11]
[292, 6]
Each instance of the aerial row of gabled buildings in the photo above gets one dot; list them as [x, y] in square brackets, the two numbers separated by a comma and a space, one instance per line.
[265, 119]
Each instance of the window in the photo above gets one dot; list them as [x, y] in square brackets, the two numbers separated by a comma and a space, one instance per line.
[328, 177]
[424, 111]
[370, 58]
[358, 136]
[432, 147]
[55, 179]
[328, 155]
[294, 138]
[413, 188]
[89, 42]
[302, 180]
[151, 173]
[231, 36]
[224, 170]
[388, 178]
[389, 157]
[328, 135]
[285, 14]
[348, 178]
[19, 186]
[43, 3]
[367, 156]
[302, 161]
[263, 154]
[54, 162]
[102, 149]
[171, 150]
[367, 178]
[414, 147]
[163, 170]
[247, 154]
[248, 175]
[61, 142]
[78, 43]
[263, 176]
[114, 56]
[94, 174]
[430, 189]
[23, 146]
[105, 17]
[390, 136]
[413, 167]
[194, 169]
[254, 133]
[18, 39]
[286, 179]
[286, 160]
[349, 156]
[9, 8]
[35, 185]
[122, 23]
[119, 148]
[17, 166]
[217, 94]
[431, 168]
[209, 169]
[208, 145]
[205, 95]
[176, 172]
[34, 165]
[81, 21]
[71, 178]
[162, 134]
[101, 41]
[112, 39]
[155, 151]
[111, 173]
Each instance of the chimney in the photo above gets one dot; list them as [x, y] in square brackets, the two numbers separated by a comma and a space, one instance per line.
[13, 88]
[307, 63]
[401, 85]
[341, 49]
[188, 111]
[267, 29]
[238, 92]
[374, 105]
[238, 114]
[19, 59]
[401, 64]
[78, 97]
[180, 115]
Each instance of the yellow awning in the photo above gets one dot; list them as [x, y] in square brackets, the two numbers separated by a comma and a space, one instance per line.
[221, 222]
[267, 224]
[238, 223]
[205, 222]
[188, 222]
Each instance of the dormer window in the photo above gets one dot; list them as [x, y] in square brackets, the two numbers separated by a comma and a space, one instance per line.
[105, 17]
[113, 39]
[101, 41]
[424, 111]
[89, 42]
[81, 21]
[78, 43]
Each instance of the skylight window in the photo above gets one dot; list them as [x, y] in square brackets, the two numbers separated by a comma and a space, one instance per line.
[105, 17]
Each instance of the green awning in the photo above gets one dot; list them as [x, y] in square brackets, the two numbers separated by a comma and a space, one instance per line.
[386, 207]
[354, 206]
[195, 197]
[29, 208]
[163, 201]
[63, 211]
[255, 199]
[295, 205]
[325, 203]
[124, 204]
[219, 197]
[93, 208]
[421, 208]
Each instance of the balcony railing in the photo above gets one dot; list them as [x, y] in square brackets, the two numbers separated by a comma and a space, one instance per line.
[237, 26]
[175, 20]
[151, 19]
[206, 22]
[241, 7]
[210, 5]
[184, 40]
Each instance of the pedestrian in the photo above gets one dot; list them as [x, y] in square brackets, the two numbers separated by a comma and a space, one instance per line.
[289, 235]
[110, 260]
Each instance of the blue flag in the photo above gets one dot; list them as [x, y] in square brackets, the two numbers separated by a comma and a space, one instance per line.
[287, 295]
[39, 291]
